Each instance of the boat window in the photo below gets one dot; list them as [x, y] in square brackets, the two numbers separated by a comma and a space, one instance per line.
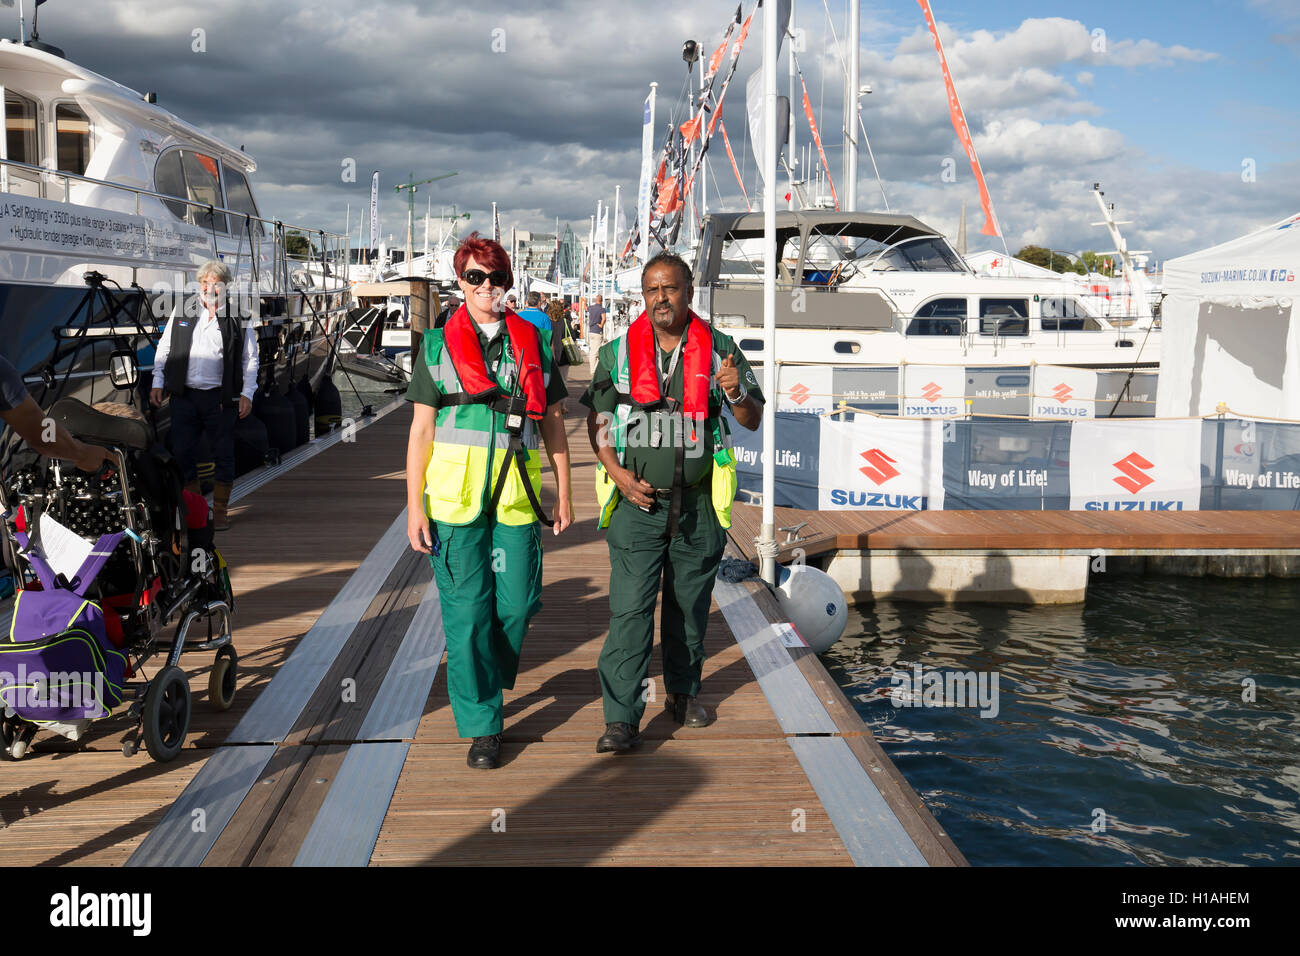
[20, 129]
[72, 140]
[204, 186]
[930, 254]
[946, 308]
[169, 180]
[835, 250]
[239, 197]
[938, 317]
[1004, 316]
[741, 261]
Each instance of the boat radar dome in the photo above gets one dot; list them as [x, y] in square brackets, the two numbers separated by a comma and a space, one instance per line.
[814, 603]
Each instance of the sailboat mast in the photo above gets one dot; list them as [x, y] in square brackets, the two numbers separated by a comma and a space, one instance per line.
[851, 94]
[794, 144]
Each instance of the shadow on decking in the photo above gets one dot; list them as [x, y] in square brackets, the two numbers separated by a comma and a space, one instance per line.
[583, 817]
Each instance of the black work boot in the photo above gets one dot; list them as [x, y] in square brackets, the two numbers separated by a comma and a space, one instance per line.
[686, 710]
[618, 737]
[485, 752]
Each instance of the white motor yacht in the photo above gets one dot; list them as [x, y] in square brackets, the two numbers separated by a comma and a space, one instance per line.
[110, 204]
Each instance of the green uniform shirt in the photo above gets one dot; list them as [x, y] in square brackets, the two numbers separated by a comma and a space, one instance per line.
[423, 390]
[656, 464]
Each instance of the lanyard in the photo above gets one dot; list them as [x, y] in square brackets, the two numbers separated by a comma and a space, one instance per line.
[666, 377]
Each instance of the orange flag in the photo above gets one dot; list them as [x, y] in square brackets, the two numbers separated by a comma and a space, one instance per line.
[990, 227]
[812, 124]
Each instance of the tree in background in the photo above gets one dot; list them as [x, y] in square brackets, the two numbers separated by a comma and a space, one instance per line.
[1049, 259]
[297, 245]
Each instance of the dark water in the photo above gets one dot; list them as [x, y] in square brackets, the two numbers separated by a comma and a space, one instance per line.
[363, 391]
[1126, 711]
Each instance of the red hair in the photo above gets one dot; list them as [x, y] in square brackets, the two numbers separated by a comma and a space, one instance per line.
[487, 252]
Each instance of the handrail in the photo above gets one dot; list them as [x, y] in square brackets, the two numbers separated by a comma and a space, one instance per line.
[140, 191]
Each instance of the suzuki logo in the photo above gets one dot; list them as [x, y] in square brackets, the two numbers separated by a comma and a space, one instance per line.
[800, 393]
[880, 467]
[1062, 393]
[931, 392]
[1134, 478]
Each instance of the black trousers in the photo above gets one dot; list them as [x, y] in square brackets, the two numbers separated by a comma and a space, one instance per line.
[194, 414]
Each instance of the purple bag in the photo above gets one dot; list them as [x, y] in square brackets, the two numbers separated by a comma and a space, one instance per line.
[58, 666]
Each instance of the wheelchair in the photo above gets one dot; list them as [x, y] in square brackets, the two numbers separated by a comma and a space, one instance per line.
[162, 580]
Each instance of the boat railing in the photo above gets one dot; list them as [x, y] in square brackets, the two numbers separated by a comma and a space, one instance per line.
[326, 264]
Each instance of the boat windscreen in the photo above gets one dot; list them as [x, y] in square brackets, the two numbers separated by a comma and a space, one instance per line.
[925, 254]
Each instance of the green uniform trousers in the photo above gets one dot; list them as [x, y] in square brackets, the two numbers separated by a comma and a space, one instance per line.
[489, 578]
[640, 554]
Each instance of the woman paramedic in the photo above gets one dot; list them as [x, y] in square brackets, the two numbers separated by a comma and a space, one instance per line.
[484, 386]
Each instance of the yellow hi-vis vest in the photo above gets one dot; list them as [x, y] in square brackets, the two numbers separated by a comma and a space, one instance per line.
[724, 482]
[458, 480]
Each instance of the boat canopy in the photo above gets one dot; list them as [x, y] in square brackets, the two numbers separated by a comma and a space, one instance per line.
[799, 231]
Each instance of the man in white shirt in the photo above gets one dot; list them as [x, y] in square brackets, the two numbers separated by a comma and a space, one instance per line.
[208, 366]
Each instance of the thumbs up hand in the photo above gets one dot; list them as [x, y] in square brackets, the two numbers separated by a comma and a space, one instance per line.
[729, 378]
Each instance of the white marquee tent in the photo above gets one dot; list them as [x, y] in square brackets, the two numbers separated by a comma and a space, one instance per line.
[1231, 329]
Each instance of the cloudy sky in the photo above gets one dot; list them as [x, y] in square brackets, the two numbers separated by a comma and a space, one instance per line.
[1182, 109]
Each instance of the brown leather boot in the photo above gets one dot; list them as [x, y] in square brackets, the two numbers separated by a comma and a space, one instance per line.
[220, 503]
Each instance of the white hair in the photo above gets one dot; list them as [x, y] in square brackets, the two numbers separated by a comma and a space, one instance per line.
[217, 270]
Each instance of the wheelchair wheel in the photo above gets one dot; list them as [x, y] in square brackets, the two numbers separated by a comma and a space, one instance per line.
[221, 679]
[166, 714]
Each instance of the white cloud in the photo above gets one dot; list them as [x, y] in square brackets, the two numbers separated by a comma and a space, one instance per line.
[554, 123]
[1024, 142]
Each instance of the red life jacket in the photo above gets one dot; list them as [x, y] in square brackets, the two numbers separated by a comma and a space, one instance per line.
[460, 336]
[697, 365]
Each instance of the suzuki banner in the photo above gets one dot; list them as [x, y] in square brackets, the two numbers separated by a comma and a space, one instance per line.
[874, 462]
[1259, 466]
[797, 449]
[1133, 465]
[805, 389]
[1062, 392]
[932, 390]
[1009, 465]
[884, 464]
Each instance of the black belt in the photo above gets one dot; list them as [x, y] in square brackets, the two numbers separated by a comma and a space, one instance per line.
[668, 492]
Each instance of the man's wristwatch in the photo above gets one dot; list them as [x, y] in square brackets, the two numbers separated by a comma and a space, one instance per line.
[739, 398]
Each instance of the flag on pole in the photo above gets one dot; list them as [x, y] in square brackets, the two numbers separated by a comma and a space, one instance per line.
[754, 89]
[722, 127]
[647, 174]
[374, 210]
[812, 124]
[620, 223]
[990, 227]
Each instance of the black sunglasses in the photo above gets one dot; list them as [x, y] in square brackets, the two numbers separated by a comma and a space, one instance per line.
[475, 277]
